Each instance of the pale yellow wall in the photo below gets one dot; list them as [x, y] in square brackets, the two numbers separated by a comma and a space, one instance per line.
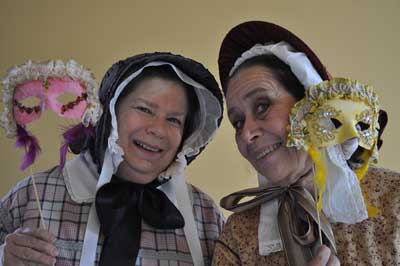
[358, 39]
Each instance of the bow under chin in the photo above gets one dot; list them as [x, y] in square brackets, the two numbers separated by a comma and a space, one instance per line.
[297, 218]
[121, 206]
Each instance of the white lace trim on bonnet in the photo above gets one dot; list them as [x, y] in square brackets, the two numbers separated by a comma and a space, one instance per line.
[176, 190]
[342, 177]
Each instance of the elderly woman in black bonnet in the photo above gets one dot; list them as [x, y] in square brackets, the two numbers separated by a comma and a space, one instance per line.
[124, 199]
[274, 85]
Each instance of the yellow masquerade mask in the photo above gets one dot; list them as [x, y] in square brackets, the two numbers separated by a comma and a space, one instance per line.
[334, 112]
[338, 120]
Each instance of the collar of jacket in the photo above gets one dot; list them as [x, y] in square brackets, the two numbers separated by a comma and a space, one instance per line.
[80, 177]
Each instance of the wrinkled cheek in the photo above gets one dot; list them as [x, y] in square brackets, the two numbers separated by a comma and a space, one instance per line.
[178, 140]
[122, 142]
[302, 158]
[127, 148]
[242, 150]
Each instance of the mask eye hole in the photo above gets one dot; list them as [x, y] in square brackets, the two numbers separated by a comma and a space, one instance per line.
[66, 98]
[74, 100]
[28, 105]
[362, 126]
[336, 123]
[30, 102]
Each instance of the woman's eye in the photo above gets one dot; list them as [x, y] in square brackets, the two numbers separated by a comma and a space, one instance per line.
[175, 121]
[261, 108]
[237, 124]
[144, 109]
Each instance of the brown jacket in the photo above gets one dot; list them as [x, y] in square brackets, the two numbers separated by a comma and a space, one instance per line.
[375, 241]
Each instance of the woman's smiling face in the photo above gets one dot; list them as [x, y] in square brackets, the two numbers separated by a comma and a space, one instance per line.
[151, 120]
[258, 108]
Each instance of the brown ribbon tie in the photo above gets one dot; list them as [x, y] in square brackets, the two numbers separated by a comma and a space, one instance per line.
[297, 218]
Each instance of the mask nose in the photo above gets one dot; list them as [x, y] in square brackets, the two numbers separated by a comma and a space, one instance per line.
[348, 136]
[351, 131]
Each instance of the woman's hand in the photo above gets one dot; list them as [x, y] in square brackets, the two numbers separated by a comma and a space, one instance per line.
[324, 258]
[30, 247]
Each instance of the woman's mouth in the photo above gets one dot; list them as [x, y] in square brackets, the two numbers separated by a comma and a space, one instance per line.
[268, 150]
[147, 147]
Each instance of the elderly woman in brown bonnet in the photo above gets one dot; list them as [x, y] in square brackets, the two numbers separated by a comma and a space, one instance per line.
[124, 200]
[264, 71]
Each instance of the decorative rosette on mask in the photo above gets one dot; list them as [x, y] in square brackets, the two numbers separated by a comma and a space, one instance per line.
[45, 82]
[338, 112]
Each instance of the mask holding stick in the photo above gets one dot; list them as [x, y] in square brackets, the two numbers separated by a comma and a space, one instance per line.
[44, 83]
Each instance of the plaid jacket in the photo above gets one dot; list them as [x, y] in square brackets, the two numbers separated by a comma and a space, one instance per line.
[66, 210]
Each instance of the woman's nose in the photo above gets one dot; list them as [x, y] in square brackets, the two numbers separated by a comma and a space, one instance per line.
[251, 130]
[157, 127]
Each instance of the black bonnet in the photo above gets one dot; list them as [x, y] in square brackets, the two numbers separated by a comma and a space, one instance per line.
[122, 69]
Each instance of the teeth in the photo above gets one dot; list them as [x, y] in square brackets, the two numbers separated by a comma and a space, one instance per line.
[268, 150]
[144, 146]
